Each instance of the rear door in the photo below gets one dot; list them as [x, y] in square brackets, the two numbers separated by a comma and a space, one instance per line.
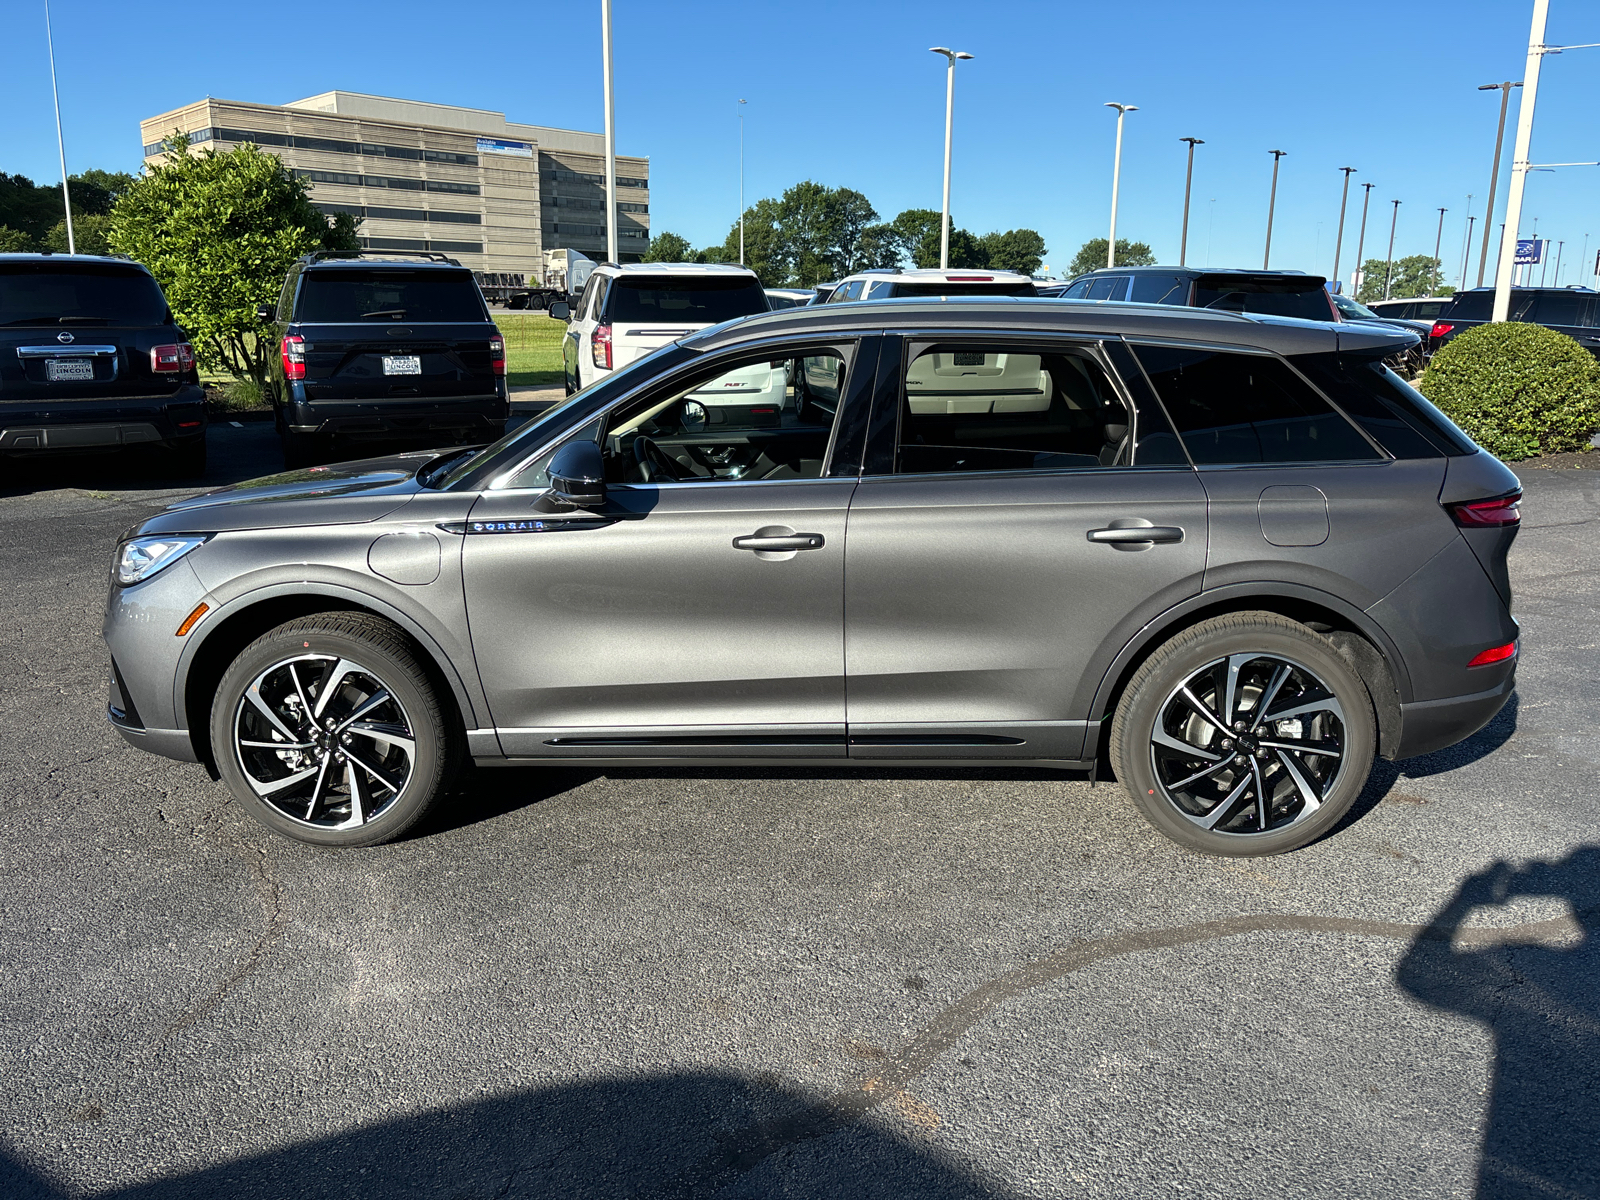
[1015, 519]
[405, 334]
[645, 312]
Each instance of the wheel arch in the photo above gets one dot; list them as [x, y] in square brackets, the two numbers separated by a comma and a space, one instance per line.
[1356, 636]
[251, 615]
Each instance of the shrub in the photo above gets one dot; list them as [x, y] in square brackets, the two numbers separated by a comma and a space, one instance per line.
[1517, 389]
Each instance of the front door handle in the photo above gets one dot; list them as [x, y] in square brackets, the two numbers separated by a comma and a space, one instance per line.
[1134, 532]
[780, 542]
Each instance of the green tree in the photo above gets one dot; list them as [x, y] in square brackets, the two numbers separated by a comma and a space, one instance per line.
[1092, 256]
[918, 231]
[1411, 276]
[809, 234]
[1020, 250]
[88, 234]
[668, 247]
[967, 251]
[28, 208]
[95, 192]
[219, 232]
[878, 247]
[13, 241]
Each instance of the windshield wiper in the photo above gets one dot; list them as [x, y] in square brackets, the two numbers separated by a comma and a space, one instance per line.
[399, 314]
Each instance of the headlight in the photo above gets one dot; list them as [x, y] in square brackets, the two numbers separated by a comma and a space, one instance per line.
[143, 557]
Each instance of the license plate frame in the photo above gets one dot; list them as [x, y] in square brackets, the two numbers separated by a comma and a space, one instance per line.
[69, 370]
[402, 364]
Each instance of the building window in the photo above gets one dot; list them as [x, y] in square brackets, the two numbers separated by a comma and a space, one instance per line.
[445, 156]
[402, 214]
[420, 244]
[440, 185]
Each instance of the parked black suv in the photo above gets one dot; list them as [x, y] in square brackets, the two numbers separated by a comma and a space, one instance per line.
[91, 360]
[1267, 293]
[1574, 311]
[385, 348]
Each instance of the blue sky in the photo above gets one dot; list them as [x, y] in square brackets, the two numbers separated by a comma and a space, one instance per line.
[847, 94]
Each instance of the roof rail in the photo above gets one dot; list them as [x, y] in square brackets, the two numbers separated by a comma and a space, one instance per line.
[430, 255]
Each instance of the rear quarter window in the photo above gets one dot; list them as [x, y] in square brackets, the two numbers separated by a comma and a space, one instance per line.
[1272, 297]
[46, 293]
[346, 296]
[1393, 413]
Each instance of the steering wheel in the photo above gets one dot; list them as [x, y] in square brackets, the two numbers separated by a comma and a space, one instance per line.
[655, 464]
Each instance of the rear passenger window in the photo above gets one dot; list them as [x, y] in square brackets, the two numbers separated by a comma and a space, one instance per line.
[1078, 291]
[848, 291]
[989, 407]
[1160, 289]
[1108, 287]
[1248, 408]
[1563, 308]
[879, 290]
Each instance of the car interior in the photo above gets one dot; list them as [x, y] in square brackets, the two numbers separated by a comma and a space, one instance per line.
[996, 408]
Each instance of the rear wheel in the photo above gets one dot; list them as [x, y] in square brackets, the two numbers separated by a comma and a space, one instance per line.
[329, 731]
[1246, 735]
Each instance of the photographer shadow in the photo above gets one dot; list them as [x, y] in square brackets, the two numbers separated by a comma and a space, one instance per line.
[1537, 989]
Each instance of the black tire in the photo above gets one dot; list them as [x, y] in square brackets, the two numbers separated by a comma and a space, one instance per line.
[1306, 793]
[406, 737]
[539, 303]
[300, 450]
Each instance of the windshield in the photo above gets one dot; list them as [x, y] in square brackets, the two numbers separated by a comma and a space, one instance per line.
[1268, 295]
[342, 296]
[684, 299]
[63, 293]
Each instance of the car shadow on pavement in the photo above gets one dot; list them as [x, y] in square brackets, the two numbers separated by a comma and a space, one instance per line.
[1537, 990]
[676, 1134]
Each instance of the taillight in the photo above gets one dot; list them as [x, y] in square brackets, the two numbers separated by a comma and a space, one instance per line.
[497, 355]
[294, 357]
[1440, 328]
[600, 346]
[1487, 514]
[1494, 654]
[172, 359]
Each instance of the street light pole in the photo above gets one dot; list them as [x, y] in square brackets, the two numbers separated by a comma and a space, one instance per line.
[1560, 246]
[1272, 204]
[1438, 239]
[1519, 161]
[1466, 250]
[1188, 180]
[1388, 270]
[741, 183]
[61, 145]
[1494, 176]
[611, 135]
[949, 113]
[1116, 178]
[1338, 240]
[1361, 241]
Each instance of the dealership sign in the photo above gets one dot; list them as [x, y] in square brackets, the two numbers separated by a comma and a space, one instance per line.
[496, 146]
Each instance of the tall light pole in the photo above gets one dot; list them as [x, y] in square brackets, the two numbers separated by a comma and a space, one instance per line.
[1466, 250]
[1116, 178]
[611, 135]
[741, 183]
[1272, 203]
[949, 113]
[1361, 241]
[1438, 239]
[61, 145]
[1494, 177]
[1338, 240]
[1188, 180]
[1388, 269]
[1560, 246]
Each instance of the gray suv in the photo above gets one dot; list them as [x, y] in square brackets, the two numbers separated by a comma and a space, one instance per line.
[1229, 558]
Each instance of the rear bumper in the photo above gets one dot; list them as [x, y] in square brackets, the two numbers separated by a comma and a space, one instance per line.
[1429, 725]
[392, 418]
[32, 427]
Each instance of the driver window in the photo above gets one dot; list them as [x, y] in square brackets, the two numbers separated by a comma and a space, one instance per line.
[760, 419]
[988, 407]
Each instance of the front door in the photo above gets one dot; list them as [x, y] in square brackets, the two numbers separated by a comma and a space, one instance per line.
[700, 611]
[1019, 523]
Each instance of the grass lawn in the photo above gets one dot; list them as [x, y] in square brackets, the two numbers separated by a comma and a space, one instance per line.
[533, 348]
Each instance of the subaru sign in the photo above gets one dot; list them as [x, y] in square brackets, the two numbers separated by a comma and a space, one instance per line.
[496, 146]
[1529, 250]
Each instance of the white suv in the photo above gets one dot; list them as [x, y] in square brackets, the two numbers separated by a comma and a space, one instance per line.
[899, 285]
[625, 312]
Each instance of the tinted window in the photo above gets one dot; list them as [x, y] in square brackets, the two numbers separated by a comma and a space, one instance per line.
[1108, 287]
[46, 293]
[1399, 418]
[963, 289]
[1563, 308]
[1160, 289]
[880, 289]
[1078, 291]
[1269, 295]
[694, 299]
[1479, 306]
[1427, 310]
[991, 407]
[1248, 408]
[349, 295]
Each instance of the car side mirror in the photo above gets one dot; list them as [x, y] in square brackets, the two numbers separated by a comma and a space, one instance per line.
[264, 313]
[561, 311]
[578, 475]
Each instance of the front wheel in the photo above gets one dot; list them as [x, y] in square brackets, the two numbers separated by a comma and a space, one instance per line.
[1246, 735]
[329, 731]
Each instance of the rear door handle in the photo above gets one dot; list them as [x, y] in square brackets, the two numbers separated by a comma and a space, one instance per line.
[791, 541]
[1124, 532]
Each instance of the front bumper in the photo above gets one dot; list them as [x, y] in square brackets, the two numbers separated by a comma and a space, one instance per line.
[172, 419]
[397, 418]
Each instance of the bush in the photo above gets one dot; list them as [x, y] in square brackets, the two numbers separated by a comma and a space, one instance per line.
[1517, 390]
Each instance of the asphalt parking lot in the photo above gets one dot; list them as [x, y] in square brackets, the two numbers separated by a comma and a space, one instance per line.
[851, 984]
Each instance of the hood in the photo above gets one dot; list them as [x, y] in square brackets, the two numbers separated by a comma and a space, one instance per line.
[340, 494]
